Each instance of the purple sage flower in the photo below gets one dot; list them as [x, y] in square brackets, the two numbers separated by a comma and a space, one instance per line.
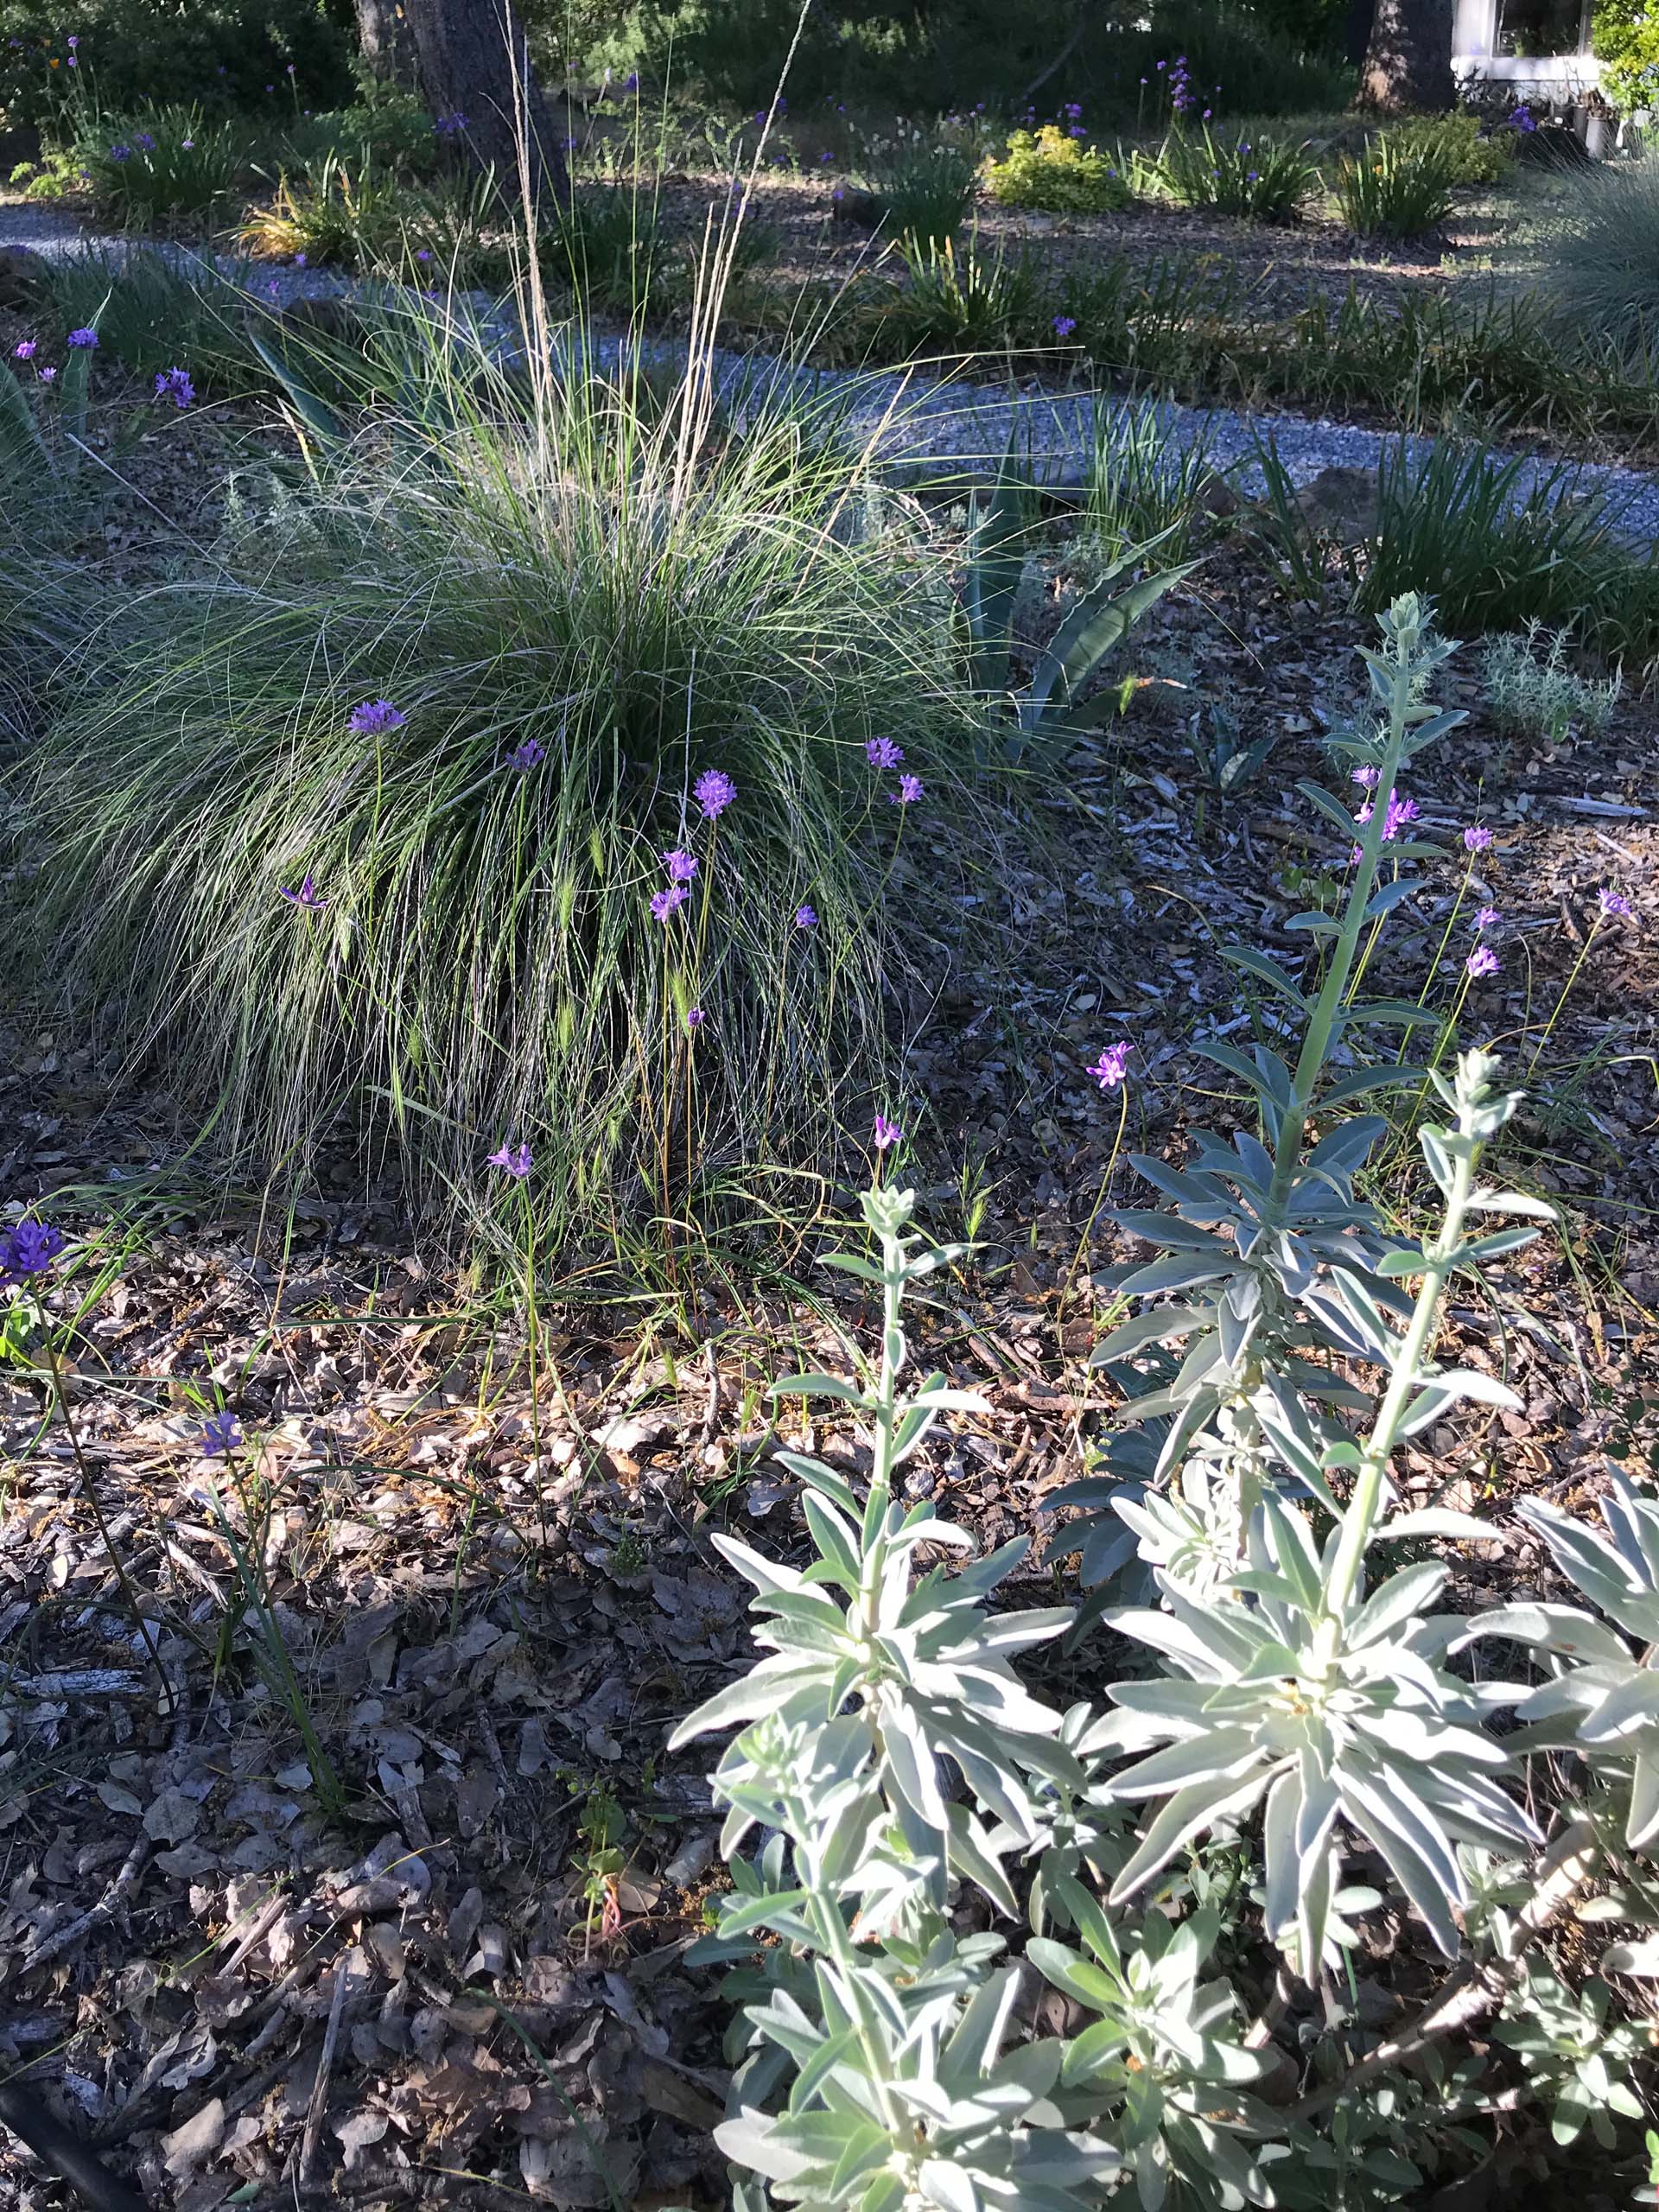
[806, 917]
[374, 717]
[84, 341]
[714, 791]
[1065, 325]
[1476, 838]
[512, 1158]
[220, 1436]
[1483, 961]
[29, 1249]
[24, 349]
[1110, 1069]
[909, 793]
[1487, 918]
[681, 865]
[886, 1133]
[882, 753]
[307, 896]
[1613, 906]
[526, 756]
[663, 902]
[176, 384]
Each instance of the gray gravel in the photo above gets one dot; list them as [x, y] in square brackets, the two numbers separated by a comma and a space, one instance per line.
[921, 423]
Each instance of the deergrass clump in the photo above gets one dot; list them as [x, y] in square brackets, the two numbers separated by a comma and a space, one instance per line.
[972, 302]
[1396, 188]
[1601, 272]
[432, 934]
[1531, 692]
[162, 165]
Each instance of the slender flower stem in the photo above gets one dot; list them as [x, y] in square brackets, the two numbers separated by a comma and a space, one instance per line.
[1100, 1200]
[1555, 1013]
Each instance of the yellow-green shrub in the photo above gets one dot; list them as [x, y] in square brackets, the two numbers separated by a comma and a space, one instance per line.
[1454, 145]
[1057, 174]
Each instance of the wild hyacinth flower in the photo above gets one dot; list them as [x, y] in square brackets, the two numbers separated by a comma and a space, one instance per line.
[882, 753]
[909, 793]
[1476, 838]
[512, 1158]
[694, 1017]
[1398, 811]
[1487, 918]
[681, 865]
[29, 1249]
[714, 791]
[120, 153]
[374, 718]
[806, 917]
[24, 349]
[526, 756]
[84, 341]
[176, 384]
[47, 376]
[307, 896]
[220, 1436]
[1483, 961]
[1613, 906]
[886, 1133]
[142, 138]
[1065, 325]
[1368, 780]
[663, 902]
[1110, 1069]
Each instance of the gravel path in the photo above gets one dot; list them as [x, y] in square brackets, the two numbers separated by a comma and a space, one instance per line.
[922, 422]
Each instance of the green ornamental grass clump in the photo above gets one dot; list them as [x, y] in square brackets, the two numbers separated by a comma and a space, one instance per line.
[425, 820]
[1265, 179]
[1395, 187]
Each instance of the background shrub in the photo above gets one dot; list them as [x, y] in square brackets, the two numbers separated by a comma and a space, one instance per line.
[926, 187]
[1054, 172]
[1465, 149]
[384, 125]
[223, 54]
[1264, 180]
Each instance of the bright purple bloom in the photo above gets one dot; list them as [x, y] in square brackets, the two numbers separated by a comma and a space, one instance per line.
[882, 753]
[1398, 811]
[806, 917]
[72, 41]
[1487, 918]
[45, 375]
[299, 258]
[886, 1133]
[1613, 905]
[423, 253]
[694, 1017]
[307, 896]
[220, 1436]
[374, 718]
[29, 1249]
[83, 340]
[1476, 838]
[714, 791]
[1065, 325]
[120, 153]
[24, 349]
[142, 138]
[663, 902]
[681, 865]
[909, 793]
[176, 384]
[526, 756]
[1367, 778]
[514, 1158]
[1483, 961]
[1110, 1069]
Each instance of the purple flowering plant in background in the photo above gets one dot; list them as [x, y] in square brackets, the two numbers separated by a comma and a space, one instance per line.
[84, 341]
[526, 756]
[176, 384]
[663, 902]
[1483, 961]
[47, 375]
[1477, 838]
[806, 917]
[909, 793]
[29, 1248]
[1487, 918]
[512, 1159]
[1065, 325]
[886, 1133]
[882, 753]
[307, 897]
[25, 349]
[1613, 907]
[681, 865]
[1110, 1069]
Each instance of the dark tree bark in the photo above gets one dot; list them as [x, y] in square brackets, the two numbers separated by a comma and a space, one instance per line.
[1408, 59]
[385, 42]
[469, 53]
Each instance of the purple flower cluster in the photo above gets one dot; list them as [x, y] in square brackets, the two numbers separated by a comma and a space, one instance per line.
[1065, 325]
[25, 349]
[84, 341]
[1483, 961]
[176, 384]
[1613, 907]
[29, 1249]
[1477, 838]
[451, 126]
[1110, 1069]
[1486, 918]
[1395, 815]
[882, 753]
[374, 718]
[526, 756]
[909, 793]
[663, 902]
[681, 865]
[512, 1158]
[886, 1133]
[1180, 87]
[714, 791]
[806, 917]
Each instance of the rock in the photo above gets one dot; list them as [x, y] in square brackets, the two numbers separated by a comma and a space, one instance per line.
[22, 277]
[1340, 504]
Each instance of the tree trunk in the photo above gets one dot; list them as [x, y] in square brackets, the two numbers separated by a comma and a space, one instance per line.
[1408, 60]
[469, 53]
[385, 42]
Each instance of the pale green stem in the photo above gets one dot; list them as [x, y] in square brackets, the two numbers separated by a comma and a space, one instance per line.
[1555, 1011]
[1100, 1200]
